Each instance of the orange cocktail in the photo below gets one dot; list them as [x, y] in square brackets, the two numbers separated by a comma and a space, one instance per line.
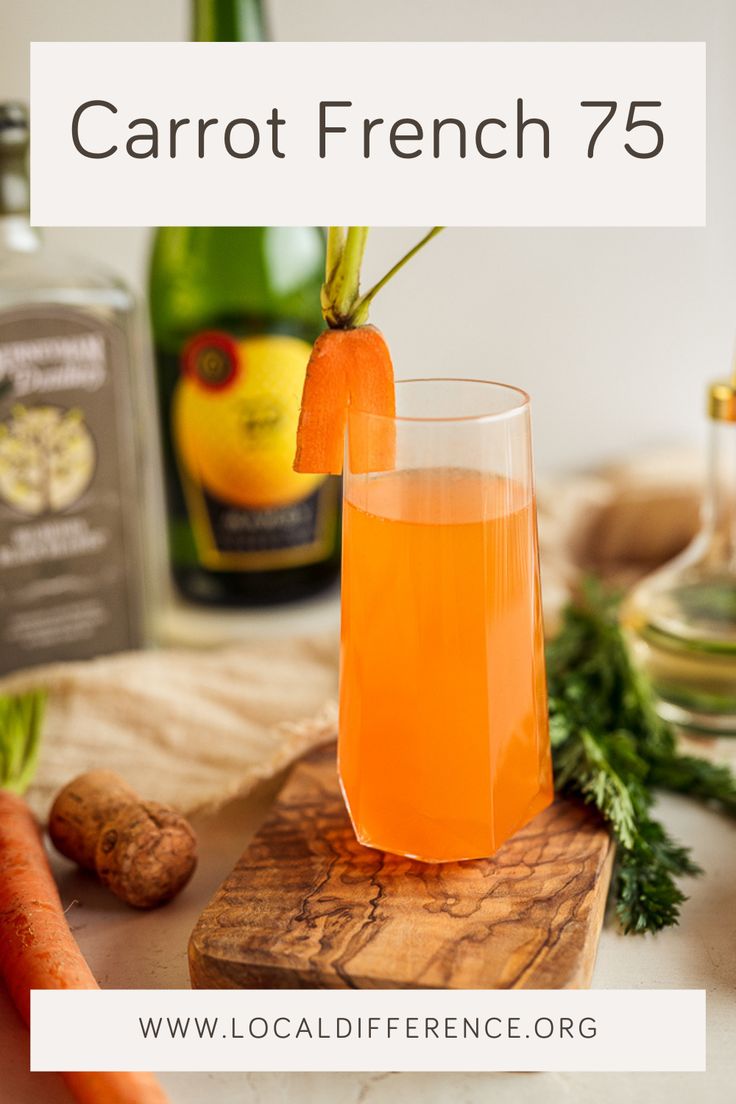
[444, 748]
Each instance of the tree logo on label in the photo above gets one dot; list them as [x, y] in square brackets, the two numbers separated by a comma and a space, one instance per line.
[47, 459]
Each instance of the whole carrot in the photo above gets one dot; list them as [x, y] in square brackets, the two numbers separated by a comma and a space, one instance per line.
[37, 949]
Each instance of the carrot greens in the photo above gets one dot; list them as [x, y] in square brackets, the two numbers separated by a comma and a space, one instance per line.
[612, 749]
[21, 718]
[343, 305]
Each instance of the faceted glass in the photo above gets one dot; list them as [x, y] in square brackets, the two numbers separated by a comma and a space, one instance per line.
[443, 744]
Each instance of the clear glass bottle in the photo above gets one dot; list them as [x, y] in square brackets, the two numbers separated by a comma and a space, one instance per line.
[70, 439]
[681, 620]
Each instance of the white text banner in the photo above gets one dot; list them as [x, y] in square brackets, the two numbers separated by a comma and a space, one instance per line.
[432, 1030]
[393, 134]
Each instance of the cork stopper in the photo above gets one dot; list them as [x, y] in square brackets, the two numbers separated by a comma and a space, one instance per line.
[722, 402]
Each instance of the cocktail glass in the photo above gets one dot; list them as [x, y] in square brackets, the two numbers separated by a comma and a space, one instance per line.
[443, 733]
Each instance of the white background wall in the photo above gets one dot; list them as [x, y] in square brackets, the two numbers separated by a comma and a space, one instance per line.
[614, 332]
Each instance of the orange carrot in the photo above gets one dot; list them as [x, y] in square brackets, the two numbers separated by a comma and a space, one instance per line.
[346, 367]
[115, 1088]
[321, 432]
[372, 441]
[350, 366]
[38, 951]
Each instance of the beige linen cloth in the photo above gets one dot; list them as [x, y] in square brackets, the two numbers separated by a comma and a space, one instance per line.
[187, 727]
[195, 727]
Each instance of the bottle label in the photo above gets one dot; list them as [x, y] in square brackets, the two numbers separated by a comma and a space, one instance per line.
[68, 557]
[234, 415]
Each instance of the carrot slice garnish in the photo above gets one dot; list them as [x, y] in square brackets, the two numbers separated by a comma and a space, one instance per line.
[320, 438]
[350, 367]
[372, 440]
[347, 367]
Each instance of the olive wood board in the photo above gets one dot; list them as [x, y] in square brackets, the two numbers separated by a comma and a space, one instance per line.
[307, 906]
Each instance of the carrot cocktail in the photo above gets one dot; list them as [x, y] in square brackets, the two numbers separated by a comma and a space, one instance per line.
[443, 746]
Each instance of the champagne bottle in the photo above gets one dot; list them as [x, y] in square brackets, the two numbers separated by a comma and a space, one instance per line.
[72, 413]
[234, 312]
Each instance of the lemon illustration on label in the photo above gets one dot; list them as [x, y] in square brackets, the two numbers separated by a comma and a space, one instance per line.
[235, 413]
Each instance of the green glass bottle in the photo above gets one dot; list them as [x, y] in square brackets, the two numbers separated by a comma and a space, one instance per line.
[234, 311]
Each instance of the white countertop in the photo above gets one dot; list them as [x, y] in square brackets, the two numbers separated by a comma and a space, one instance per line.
[148, 950]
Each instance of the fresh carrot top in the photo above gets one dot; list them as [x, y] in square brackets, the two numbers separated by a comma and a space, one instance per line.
[350, 367]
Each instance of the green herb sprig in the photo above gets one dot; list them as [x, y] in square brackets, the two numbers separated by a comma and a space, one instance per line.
[612, 749]
[21, 718]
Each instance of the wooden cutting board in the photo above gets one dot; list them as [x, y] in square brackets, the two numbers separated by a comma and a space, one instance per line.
[308, 907]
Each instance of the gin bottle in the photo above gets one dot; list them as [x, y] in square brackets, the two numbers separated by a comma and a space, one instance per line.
[70, 496]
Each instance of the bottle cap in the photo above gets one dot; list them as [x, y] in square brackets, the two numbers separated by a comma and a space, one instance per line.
[14, 139]
[14, 130]
[722, 402]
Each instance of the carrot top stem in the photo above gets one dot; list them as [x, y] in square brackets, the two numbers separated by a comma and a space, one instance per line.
[335, 247]
[341, 287]
[360, 310]
[343, 307]
[21, 718]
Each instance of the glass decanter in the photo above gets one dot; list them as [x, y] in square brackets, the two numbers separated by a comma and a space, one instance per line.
[681, 620]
